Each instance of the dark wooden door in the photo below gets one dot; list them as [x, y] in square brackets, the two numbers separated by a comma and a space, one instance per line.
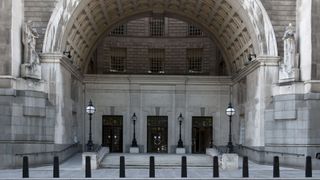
[112, 130]
[201, 134]
[157, 140]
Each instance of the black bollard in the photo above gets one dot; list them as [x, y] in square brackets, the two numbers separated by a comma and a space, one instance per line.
[88, 167]
[184, 167]
[215, 166]
[122, 172]
[245, 167]
[56, 170]
[276, 170]
[308, 166]
[25, 167]
[151, 167]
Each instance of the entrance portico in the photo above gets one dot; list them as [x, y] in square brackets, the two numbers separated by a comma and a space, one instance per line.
[234, 41]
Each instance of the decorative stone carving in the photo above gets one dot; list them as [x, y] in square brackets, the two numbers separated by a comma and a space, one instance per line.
[289, 70]
[31, 67]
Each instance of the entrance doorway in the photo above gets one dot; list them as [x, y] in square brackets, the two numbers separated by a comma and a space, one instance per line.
[112, 128]
[157, 140]
[201, 134]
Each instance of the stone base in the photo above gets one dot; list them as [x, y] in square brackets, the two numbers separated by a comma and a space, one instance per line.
[32, 71]
[134, 150]
[94, 160]
[212, 152]
[180, 150]
[287, 77]
[230, 161]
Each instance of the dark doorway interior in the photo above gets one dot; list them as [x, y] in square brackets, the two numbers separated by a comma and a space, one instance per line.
[201, 134]
[112, 128]
[157, 134]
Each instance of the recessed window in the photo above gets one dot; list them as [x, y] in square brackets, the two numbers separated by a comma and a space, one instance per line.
[194, 31]
[120, 30]
[118, 57]
[194, 60]
[156, 26]
[156, 59]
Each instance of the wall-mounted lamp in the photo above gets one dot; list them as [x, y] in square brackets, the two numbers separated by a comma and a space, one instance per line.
[67, 53]
[251, 56]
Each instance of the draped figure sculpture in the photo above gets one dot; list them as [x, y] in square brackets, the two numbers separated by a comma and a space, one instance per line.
[289, 66]
[31, 62]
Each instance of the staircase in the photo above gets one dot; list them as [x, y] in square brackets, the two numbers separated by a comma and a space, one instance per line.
[161, 160]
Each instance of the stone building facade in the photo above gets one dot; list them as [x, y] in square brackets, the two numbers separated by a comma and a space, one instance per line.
[242, 56]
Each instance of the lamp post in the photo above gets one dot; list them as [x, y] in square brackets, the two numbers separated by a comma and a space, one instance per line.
[134, 141]
[180, 143]
[230, 111]
[90, 110]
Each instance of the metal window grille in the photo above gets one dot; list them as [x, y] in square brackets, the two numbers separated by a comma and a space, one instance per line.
[156, 58]
[194, 58]
[120, 30]
[194, 31]
[118, 58]
[156, 26]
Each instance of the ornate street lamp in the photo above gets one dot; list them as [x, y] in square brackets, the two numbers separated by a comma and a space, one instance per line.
[230, 111]
[90, 110]
[180, 143]
[134, 141]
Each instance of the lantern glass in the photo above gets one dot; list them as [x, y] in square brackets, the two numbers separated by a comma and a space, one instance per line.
[90, 108]
[230, 111]
[134, 117]
[180, 118]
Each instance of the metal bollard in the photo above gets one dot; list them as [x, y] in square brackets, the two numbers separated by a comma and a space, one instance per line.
[25, 167]
[56, 170]
[151, 167]
[122, 172]
[245, 167]
[215, 166]
[184, 167]
[276, 170]
[308, 166]
[88, 167]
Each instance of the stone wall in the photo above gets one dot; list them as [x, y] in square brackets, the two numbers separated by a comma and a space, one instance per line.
[5, 36]
[148, 95]
[315, 74]
[281, 13]
[27, 124]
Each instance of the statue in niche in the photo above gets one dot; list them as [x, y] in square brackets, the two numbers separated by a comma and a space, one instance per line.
[31, 62]
[289, 66]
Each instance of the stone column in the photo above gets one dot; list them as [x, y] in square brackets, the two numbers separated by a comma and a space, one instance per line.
[10, 41]
[262, 74]
[58, 72]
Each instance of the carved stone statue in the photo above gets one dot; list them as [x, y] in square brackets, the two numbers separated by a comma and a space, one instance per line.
[31, 62]
[289, 66]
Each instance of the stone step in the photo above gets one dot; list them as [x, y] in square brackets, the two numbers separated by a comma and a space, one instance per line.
[161, 160]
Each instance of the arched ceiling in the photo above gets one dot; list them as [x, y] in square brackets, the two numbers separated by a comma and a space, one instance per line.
[226, 21]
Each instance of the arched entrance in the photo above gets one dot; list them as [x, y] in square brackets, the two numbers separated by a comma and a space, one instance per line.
[238, 28]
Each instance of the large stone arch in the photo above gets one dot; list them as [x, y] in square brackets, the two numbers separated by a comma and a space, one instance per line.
[239, 27]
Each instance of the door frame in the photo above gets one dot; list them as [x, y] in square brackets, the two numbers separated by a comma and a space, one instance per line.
[165, 118]
[105, 118]
[206, 125]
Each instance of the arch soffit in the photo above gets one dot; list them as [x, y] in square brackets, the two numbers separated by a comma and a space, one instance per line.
[239, 27]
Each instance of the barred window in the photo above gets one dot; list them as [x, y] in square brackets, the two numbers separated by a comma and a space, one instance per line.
[120, 30]
[194, 58]
[156, 58]
[194, 31]
[156, 26]
[118, 58]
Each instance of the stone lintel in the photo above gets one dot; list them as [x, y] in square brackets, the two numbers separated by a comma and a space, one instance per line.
[255, 64]
[59, 58]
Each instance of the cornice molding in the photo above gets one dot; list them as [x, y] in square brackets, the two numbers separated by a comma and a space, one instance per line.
[258, 62]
